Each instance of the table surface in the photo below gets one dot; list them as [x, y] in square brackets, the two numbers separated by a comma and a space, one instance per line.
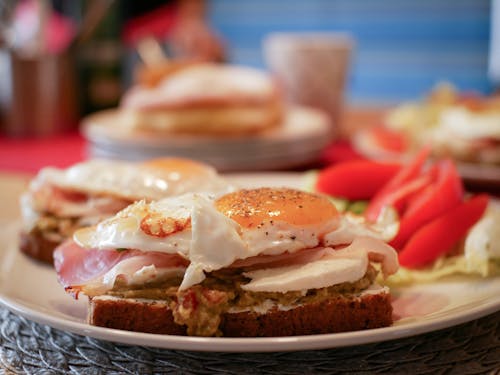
[470, 348]
[28, 155]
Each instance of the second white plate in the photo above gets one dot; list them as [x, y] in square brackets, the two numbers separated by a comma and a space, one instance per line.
[299, 141]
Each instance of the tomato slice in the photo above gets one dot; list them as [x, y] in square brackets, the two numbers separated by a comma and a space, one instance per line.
[339, 152]
[399, 198]
[355, 180]
[412, 170]
[439, 197]
[389, 139]
[404, 176]
[438, 236]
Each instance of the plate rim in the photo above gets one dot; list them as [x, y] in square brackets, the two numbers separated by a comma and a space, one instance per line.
[90, 127]
[252, 344]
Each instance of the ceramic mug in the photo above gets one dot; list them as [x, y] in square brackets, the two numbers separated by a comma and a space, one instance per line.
[312, 68]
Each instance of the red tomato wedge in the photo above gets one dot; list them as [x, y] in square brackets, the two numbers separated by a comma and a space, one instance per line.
[401, 185]
[340, 152]
[444, 193]
[438, 236]
[389, 140]
[400, 181]
[354, 180]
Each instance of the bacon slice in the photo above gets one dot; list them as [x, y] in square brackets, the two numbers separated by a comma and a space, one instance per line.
[94, 271]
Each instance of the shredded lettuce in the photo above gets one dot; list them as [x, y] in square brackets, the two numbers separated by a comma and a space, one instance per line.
[310, 178]
[456, 265]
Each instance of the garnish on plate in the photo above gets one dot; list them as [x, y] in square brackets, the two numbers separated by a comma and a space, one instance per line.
[442, 229]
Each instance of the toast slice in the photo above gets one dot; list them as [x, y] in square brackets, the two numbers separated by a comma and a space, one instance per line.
[37, 246]
[340, 313]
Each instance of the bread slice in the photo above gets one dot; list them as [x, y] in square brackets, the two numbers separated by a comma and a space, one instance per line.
[140, 315]
[37, 246]
[371, 309]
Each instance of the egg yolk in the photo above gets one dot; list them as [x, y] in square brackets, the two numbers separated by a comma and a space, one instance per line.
[180, 165]
[251, 208]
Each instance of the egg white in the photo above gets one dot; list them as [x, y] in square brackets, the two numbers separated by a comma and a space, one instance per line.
[201, 82]
[214, 241]
[466, 124]
[130, 180]
[123, 231]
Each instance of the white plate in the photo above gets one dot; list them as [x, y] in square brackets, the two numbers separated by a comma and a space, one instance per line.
[297, 142]
[30, 289]
[480, 176]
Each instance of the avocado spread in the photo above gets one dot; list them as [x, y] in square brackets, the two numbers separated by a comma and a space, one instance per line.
[200, 307]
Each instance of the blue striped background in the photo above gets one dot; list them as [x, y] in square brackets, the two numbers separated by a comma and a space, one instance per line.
[403, 47]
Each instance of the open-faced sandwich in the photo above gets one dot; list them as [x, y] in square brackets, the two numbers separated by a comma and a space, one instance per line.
[461, 126]
[59, 201]
[259, 262]
[204, 98]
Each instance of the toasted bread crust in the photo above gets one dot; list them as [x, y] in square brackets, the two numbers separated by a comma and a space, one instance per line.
[38, 247]
[338, 314]
[133, 315]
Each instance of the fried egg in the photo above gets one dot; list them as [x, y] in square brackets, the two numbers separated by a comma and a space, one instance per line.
[154, 179]
[468, 124]
[201, 83]
[253, 225]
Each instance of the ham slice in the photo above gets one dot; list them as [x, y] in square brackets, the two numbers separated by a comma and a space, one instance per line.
[376, 250]
[320, 267]
[285, 259]
[70, 203]
[95, 271]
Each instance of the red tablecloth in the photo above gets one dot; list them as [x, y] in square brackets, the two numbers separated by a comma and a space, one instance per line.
[30, 154]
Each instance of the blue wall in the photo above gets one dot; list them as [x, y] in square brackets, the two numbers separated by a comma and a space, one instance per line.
[403, 47]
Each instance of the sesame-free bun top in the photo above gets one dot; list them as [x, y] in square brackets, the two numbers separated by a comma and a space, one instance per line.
[251, 208]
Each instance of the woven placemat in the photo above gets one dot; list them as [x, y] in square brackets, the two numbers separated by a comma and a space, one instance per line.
[31, 348]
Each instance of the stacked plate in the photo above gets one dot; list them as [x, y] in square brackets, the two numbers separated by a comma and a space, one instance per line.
[297, 142]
